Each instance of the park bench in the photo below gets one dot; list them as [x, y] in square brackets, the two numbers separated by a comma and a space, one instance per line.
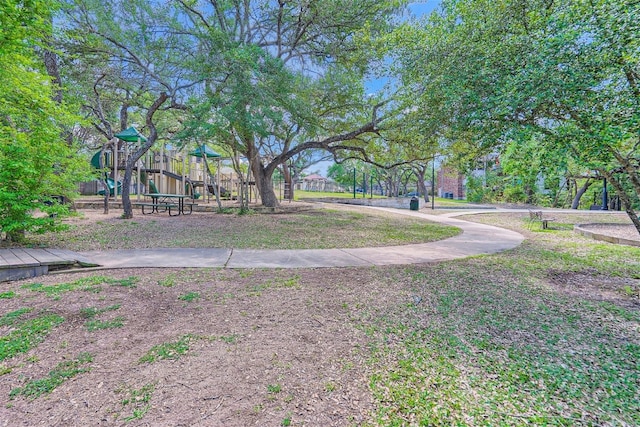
[538, 216]
[155, 207]
[184, 206]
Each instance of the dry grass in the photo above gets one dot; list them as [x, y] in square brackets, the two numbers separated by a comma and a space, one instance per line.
[311, 229]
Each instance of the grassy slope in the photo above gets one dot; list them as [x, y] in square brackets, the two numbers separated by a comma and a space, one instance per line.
[497, 340]
[517, 338]
[314, 229]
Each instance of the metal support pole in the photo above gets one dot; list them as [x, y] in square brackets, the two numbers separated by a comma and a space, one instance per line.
[433, 183]
[605, 196]
[354, 183]
[139, 174]
[371, 186]
[115, 171]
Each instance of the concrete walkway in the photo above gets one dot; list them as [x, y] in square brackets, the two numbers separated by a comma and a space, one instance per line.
[475, 239]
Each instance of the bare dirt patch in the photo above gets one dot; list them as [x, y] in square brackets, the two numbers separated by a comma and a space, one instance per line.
[272, 348]
[264, 347]
[622, 291]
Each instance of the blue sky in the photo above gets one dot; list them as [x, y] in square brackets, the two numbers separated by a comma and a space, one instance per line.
[423, 7]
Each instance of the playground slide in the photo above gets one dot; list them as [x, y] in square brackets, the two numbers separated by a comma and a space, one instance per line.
[152, 187]
[95, 160]
[110, 184]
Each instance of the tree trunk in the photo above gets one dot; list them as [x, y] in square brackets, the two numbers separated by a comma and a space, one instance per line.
[104, 180]
[50, 60]
[624, 197]
[126, 199]
[133, 158]
[580, 193]
[392, 187]
[264, 182]
[51, 64]
[631, 171]
[422, 189]
[288, 188]
[556, 197]
[571, 184]
[265, 187]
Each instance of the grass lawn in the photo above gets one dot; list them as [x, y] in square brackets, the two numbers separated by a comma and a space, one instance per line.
[545, 334]
[339, 227]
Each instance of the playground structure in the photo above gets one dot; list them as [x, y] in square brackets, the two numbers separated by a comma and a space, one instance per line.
[198, 173]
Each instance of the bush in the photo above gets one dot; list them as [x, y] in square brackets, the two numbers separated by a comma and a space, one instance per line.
[514, 194]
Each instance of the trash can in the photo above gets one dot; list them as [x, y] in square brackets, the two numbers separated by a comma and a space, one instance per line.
[414, 204]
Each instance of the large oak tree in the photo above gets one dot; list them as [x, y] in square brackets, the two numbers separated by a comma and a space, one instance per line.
[285, 77]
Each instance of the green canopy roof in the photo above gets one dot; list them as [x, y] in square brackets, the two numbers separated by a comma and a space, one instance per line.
[130, 135]
[204, 149]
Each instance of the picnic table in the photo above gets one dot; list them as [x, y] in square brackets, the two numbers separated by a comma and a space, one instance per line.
[167, 202]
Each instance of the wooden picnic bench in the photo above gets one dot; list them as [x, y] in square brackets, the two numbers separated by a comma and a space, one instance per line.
[538, 216]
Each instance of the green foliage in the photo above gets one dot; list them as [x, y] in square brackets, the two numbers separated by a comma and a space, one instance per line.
[484, 190]
[61, 373]
[12, 317]
[27, 335]
[170, 350]
[190, 296]
[137, 400]
[7, 295]
[515, 194]
[89, 284]
[35, 161]
[229, 339]
[274, 388]
[95, 325]
[91, 312]
[342, 173]
[168, 281]
[129, 282]
[54, 291]
[267, 104]
[552, 85]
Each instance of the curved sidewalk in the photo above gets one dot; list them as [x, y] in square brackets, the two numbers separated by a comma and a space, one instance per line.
[475, 239]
